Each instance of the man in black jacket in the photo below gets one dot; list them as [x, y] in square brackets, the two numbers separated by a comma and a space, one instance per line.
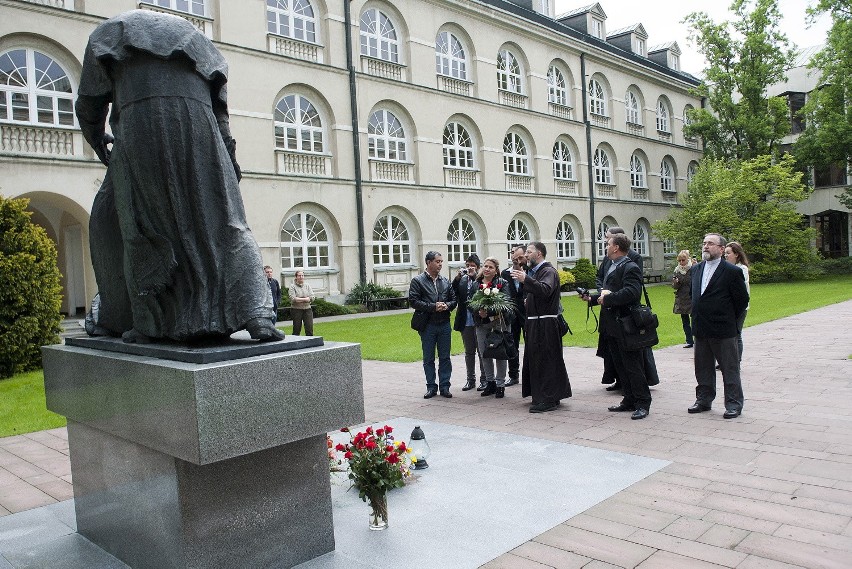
[433, 294]
[719, 297]
[621, 288]
[275, 289]
[516, 294]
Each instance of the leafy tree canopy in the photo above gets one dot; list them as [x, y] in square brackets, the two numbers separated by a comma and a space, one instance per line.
[753, 202]
[29, 289]
[744, 57]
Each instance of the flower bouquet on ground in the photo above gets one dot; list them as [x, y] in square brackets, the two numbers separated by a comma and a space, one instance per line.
[491, 298]
[377, 463]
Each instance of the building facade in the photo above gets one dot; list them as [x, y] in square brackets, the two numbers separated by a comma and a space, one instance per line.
[480, 124]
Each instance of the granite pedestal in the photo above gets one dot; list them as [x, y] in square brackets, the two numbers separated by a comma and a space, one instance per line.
[178, 464]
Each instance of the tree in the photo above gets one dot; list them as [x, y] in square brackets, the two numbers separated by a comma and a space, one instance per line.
[753, 202]
[30, 295]
[827, 138]
[744, 58]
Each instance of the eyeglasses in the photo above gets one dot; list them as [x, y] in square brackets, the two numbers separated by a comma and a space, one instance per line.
[711, 243]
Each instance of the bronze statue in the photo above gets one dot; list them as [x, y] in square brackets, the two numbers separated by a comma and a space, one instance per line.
[172, 253]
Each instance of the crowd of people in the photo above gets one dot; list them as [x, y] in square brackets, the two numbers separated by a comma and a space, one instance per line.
[710, 296]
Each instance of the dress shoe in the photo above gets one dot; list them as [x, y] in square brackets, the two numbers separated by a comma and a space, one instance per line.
[698, 408]
[490, 389]
[621, 407]
[614, 387]
[639, 414]
[471, 383]
[431, 392]
[512, 381]
[446, 393]
[543, 407]
[731, 414]
[501, 393]
[688, 345]
[482, 386]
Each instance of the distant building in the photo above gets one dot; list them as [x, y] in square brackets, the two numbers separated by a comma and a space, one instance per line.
[481, 124]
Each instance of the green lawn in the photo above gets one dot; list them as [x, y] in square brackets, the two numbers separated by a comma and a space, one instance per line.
[389, 338]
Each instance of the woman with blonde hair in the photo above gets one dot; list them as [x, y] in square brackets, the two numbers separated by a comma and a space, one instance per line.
[735, 254]
[682, 283]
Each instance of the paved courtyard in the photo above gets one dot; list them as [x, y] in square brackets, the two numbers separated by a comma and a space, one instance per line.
[771, 489]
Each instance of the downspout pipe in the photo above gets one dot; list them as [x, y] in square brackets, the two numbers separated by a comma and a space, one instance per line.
[589, 161]
[356, 146]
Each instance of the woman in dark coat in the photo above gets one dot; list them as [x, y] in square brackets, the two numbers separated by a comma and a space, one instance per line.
[465, 286]
[682, 283]
[487, 320]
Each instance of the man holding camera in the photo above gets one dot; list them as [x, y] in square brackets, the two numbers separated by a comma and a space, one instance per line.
[516, 293]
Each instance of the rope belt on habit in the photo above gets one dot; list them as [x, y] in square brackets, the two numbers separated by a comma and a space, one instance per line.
[542, 316]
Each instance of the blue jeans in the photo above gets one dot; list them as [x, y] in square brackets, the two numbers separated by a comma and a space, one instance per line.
[437, 335]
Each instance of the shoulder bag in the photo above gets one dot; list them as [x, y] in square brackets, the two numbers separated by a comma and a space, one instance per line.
[419, 320]
[639, 327]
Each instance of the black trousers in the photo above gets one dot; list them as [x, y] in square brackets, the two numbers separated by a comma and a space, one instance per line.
[515, 363]
[630, 367]
[610, 374]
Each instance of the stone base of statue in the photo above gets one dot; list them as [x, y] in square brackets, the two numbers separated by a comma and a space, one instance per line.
[180, 464]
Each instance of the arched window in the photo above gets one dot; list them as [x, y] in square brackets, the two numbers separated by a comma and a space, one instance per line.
[509, 72]
[556, 90]
[597, 98]
[563, 162]
[304, 243]
[450, 58]
[292, 19]
[631, 106]
[691, 169]
[566, 241]
[186, 6]
[461, 240]
[517, 234]
[602, 167]
[386, 137]
[637, 173]
[458, 147]
[687, 121]
[515, 160]
[34, 89]
[666, 176]
[603, 227]
[640, 239]
[298, 125]
[662, 116]
[378, 36]
[391, 244]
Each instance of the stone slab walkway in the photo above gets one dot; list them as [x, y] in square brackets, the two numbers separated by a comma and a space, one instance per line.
[771, 489]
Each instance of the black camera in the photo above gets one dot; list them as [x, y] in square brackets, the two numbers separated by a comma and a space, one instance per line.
[582, 291]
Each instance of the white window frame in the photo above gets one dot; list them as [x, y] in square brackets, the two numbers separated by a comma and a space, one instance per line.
[602, 167]
[39, 94]
[675, 62]
[638, 178]
[517, 234]
[663, 117]
[557, 92]
[515, 156]
[632, 108]
[597, 28]
[386, 139]
[310, 245]
[379, 38]
[194, 7]
[563, 161]
[566, 240]
[509, 72]
[640, 239]
[458, 147]
[640, 46]
[603, 227]
[450, 56]
[461, 240]
[691, 168]
[298, 125]
[666, 176]
[293, 19]
[392, 243]
[597, 98]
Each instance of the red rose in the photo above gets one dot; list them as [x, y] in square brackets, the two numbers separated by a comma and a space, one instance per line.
[389, 448]
[388, 430]
[482, 286]
[344, 430]
[369, 430]
[380, 433]
[401, 449]
[371, 445]
[499, 286]
[339, 447]
[393, 459]
[348, 454]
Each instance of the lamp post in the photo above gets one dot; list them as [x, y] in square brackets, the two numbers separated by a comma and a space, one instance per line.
[420, 448]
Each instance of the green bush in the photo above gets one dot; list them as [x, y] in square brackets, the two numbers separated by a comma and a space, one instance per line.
[839, 266]
[584, 273]
[30, 294]
[326, 308]
[361, 293]
[566, 280]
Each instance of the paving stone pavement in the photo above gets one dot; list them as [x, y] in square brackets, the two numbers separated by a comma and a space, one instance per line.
[771, 489]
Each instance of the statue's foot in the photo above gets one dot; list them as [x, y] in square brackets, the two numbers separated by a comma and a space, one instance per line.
[134, 337]
[263, 330]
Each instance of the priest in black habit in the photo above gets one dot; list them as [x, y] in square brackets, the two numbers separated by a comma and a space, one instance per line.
[544, 375]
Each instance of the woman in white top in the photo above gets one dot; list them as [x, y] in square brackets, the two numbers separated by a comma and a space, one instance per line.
[301, 295]
[735, 255]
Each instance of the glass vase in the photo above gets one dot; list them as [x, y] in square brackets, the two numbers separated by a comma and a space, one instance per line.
[378, 511]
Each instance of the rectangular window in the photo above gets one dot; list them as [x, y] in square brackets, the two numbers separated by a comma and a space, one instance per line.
[796, 102]
[597, 28]
[640, 47]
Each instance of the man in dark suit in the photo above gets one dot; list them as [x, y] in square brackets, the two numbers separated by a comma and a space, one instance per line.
[275, 289]
[719, 297]
[621, 288]
[516, 293]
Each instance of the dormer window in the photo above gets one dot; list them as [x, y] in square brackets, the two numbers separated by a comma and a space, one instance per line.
[597, 28]
[675, 62]
[640, 47]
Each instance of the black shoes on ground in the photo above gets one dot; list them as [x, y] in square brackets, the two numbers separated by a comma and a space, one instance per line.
[490, 389]
[512, 381]
[614, 387]
[430, 392]
[639, 413]
[621, 407]
[500, 393]
[446, 393]
[689, 345]
[543, 407]
[731, 414]
[698, 408]
[471, 383]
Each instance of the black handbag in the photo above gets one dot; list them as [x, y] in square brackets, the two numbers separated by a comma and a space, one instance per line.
[496, 345]
[639, 327]
[419, 320]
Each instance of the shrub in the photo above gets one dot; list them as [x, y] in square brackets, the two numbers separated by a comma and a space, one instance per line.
[584, 273]
[839, 266]
[326, 308]
[566, 280]
[361, 293]
[30, 294]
